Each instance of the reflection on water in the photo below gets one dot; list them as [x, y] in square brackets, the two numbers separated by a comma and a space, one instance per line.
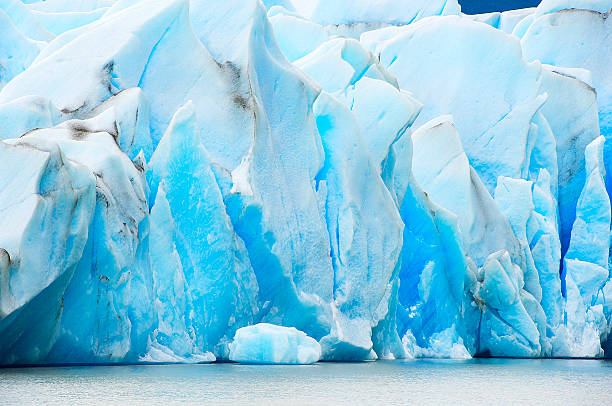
[410, 382]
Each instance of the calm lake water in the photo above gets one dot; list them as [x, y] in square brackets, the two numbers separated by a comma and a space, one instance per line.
[411, 382]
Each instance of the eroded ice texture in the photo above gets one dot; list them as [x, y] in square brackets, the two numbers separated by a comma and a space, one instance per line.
[289, 181]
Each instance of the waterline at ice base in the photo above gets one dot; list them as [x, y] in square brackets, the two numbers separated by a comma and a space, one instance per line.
[187, 181]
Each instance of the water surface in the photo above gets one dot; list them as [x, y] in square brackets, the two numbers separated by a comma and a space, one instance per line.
[410, 382]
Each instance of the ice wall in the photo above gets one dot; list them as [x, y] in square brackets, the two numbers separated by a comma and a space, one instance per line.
[191, 180]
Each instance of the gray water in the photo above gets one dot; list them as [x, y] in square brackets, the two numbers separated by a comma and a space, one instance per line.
[411, 382]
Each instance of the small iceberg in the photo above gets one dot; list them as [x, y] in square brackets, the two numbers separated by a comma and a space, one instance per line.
[265, 343]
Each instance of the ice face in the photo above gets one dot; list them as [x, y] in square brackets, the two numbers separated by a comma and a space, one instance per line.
[454, 49]
[289, 181]
[442, 169]
[108, 244]
[345, 69]
[357, 206]
[214, 281]
[508, 324]
[585, 263]
[269, 344]
[527, 107]
[588, 34]
[52, 200]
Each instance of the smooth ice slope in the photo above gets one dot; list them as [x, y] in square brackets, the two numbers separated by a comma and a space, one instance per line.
[269, 344]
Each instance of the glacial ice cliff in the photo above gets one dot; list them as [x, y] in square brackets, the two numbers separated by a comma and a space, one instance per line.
[291, 180]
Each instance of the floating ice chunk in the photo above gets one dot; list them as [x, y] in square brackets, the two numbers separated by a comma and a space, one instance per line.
[269, 344]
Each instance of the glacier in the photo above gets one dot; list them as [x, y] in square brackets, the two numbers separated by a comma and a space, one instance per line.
[288, 181]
